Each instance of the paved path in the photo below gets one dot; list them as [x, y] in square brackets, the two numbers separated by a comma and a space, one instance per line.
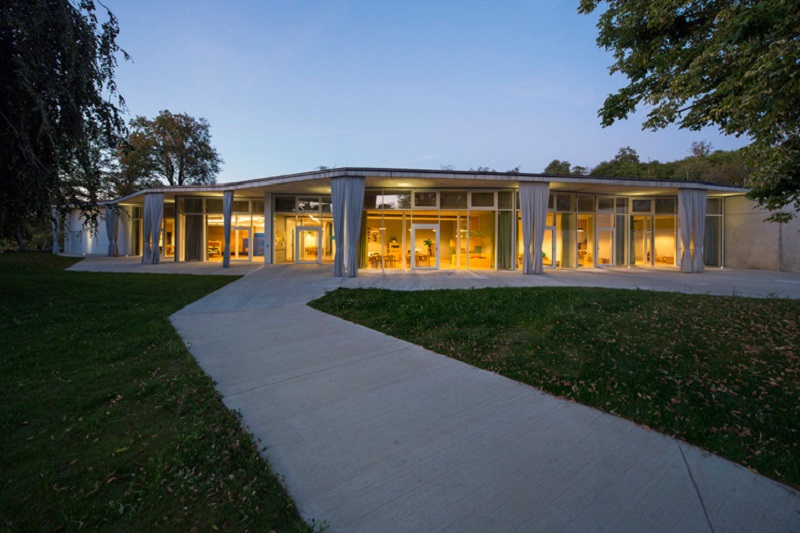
[376, 434]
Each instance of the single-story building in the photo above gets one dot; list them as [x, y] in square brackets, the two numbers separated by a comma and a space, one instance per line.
[379, 218]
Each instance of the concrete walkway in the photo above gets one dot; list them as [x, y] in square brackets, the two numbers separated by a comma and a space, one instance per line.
[375, 434]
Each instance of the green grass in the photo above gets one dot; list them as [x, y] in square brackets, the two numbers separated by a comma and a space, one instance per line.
[107, 422]
[722, 373]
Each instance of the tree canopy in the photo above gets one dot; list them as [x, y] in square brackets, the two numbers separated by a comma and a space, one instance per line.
[59, 108]
[173, 147]
[729, 63]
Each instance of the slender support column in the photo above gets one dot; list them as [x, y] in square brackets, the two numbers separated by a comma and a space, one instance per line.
[227, 211]
[269, 234]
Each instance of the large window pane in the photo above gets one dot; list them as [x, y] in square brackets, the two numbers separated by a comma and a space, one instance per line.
[565, 202]
[453, 199]
[505, 199]
[284, 204]
[505, 236]
[714, 206]
[712, 242]
[665, 241]
[192, 205]
[642, 206]
[586, 203]
[481, 240]
[214, 205]
[395, 200]
[565, 240]
[482, 199]
[666, 206]
[424, 199]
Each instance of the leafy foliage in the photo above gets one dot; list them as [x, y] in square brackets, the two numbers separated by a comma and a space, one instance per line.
[730, 63]
[173, 148]
[557, 168]
[719, 372]
[59, 108]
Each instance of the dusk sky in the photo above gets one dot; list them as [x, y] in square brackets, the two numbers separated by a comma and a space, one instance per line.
[289, 86]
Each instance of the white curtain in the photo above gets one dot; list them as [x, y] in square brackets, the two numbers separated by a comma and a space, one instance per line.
[337, 199]
[533, 205]
[354, 207]
[112, 230]
[698, 230]
[347, 196]
[227, 211]
[692, 218]
[153, 211]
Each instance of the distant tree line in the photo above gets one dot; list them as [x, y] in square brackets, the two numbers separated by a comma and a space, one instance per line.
[703, 164]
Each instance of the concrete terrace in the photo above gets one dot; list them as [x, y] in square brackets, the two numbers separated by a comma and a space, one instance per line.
[376, 434]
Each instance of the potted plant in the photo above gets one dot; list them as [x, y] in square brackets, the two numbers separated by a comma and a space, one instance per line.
[429, 244]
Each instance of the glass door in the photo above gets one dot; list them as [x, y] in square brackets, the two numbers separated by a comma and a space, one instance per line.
[425, 247]
[240, 243]
[605, 240]
[641, 240]
[308, 247]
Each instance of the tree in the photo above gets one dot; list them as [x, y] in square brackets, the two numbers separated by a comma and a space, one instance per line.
[579, 170]
[625, 164]
[557, 168]
[59, 109]
[174, 148]
[730, 63]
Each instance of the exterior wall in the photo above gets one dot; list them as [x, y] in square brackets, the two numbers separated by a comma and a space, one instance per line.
[78, 240]
[752, 243]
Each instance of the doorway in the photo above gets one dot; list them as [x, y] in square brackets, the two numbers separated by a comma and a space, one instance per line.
[425, 244]
[309, 241]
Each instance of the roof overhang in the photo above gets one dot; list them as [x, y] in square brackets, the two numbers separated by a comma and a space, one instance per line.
[319, 182]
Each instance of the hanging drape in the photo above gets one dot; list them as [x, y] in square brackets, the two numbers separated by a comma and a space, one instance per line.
[337, 199]
[153, 211]
[692, 218]
[533, 205]
[354, 207]
[347, 197]
[227, 211]
[699, 230]
[194, 238]
[112, 230]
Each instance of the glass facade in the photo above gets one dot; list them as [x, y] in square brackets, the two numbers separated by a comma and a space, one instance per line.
[201, 229]
[438, 229]
[449, 230]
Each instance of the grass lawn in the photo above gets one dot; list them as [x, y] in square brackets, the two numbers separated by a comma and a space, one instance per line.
[107, 422]
[722, 373]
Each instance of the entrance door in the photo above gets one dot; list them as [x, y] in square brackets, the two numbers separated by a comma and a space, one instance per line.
[309, 244]
[424, 253]
[240, 243]
[642, 240]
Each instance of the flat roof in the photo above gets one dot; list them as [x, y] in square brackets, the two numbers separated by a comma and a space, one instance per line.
[318, 182]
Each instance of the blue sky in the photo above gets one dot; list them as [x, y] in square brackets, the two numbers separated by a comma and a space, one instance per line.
[291, 85]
